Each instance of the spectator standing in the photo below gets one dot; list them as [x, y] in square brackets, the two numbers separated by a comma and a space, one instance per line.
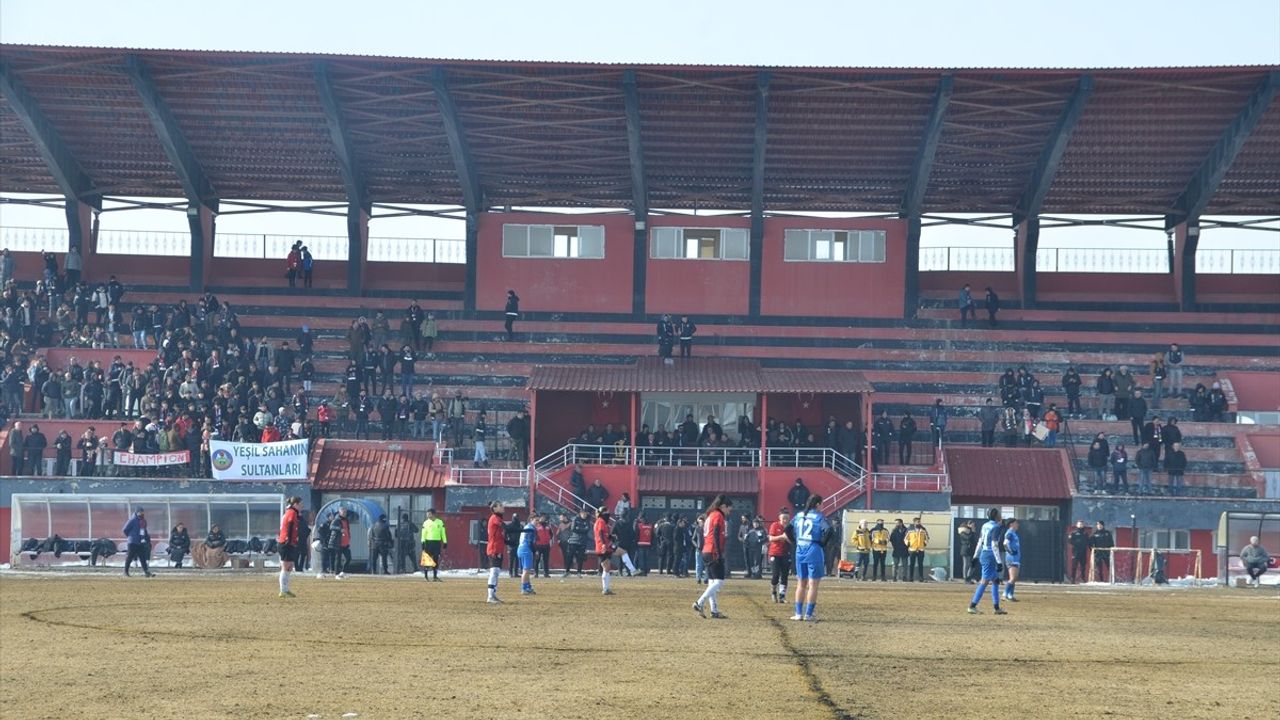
[1137, 415]
[883, 434]
[1101, 541]
[518, 430]
[1120, 469]
[480, 458]
[906, 434]
[406, 545]
[1078, 541]
[798, 495]
[1175, 463]
[988, 417]
[1097, 459]
[1125, 385]
[1106, 387]
[1010, 426]
[1146, 462]
[917, 539]
[511, 312]
[74, 264]
[308, 263]
[293, 264]
[879, 549]
[6, 267]
[993, 306]
[35, 444]
[1071, 383]
[340, 543]
[901, 552]
[62, 454]
[938, 422]
[597, 494]
[966, 304]
[666, 332]
[686, 330]
[1158, 373]
[1174, 360]
[1052, 420]
[1217, 403]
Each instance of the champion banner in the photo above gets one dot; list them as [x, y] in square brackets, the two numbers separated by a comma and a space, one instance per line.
[259, 461]
[129, 459]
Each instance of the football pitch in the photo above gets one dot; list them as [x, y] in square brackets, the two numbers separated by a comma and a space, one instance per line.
[83, 645]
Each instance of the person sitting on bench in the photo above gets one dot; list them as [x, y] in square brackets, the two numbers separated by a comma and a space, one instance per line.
[1255, 560]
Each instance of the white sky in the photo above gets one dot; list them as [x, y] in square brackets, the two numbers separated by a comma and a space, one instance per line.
[1086, 33]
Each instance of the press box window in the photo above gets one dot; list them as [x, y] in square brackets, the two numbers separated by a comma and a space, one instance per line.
[865, 246]
[553, 241]
[670, 243]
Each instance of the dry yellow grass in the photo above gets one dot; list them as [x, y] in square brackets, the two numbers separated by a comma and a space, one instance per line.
[83, 645]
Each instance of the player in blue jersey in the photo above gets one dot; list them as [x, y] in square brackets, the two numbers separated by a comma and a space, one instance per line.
[811, 530]
[525, 553]
[1012, 557]
[989, 557]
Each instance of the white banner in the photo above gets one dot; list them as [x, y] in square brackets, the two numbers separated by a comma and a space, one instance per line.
[258, 461]
[152, 460]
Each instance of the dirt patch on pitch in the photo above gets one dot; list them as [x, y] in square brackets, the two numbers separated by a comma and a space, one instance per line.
[225, 646]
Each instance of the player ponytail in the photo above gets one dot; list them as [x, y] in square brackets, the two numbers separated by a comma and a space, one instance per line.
[813, 503]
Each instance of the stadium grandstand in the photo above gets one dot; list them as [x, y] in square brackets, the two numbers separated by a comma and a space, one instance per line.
[779, 209]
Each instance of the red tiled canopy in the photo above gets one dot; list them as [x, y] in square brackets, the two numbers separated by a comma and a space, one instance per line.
[694, 375]
[349, 465]
[1007, 475]
[699, 481]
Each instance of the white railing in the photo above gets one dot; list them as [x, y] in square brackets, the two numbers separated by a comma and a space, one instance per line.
[554, 491]
[492, 477]
[909, 482]
[336, 247]
[1103, 260]
[442, 456]
[699, 457]
[970, 259]
[814, 458]
[35, 239]
[1238, 262]
[843, 496]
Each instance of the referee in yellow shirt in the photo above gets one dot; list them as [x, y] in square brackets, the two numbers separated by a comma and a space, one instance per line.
[434, 539]
[917, 541]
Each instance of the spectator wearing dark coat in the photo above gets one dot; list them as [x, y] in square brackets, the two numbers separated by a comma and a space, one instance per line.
[1175, 463]
[36, 442]
[139, 541]
[798, 495]
[179, 544]
[988, 417]
[597, 494]
[381, 543]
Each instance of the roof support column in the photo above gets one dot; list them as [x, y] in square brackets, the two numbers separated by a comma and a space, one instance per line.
[755, 253]
[357, 242]
[465, 169]
[200, 218]
[1025, 246]
[911, 258]
[1186, 239]
[917, 186]
[81, 222]
[639, 194]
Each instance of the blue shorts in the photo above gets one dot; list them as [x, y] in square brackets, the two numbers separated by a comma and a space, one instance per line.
[811, 566]
[1012, 561]
[526, 559]
[990, 568]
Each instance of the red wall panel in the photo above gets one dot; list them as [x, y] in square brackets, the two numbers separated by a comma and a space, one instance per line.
[833, 289]
[775, 483]
[948, 284]
[1259, 285]
[1141, 287]
[697, 287]
[550, 285]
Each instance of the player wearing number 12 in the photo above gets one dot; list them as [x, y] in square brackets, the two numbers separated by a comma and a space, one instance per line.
[811, 530]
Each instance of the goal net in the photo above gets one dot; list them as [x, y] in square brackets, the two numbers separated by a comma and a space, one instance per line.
[1143, 566]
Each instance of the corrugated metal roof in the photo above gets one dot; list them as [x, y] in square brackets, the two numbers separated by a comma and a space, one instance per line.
[553, 134]
[352, 465]
[1007, 476]
[699, 481]
[694, 375]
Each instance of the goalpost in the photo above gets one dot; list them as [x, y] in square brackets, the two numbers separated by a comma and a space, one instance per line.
[1138, 566]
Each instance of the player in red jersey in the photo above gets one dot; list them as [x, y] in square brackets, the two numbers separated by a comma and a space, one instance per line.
[493, 549]
[714, 543]
[288, 541]
[780, 555]
[604, 546]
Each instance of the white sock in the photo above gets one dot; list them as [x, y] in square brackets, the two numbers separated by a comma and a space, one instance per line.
[284, 581]
[626, 560]
[494, 573]
[782, 591]
[604, 580]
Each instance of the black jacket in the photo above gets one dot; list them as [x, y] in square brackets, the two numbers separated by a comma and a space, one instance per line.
[798, 495]
[1079, 542]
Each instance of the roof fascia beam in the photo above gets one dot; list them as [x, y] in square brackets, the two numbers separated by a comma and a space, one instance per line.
[195, 183]
[1032, 200]
[918, 184]
[67, 172]
[455, 133]
[343, 148]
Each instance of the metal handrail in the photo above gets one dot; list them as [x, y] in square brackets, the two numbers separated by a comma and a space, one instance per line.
[812, 458]
[492, 477]
[555, 492]
[699, 456]
[442, 456]
[909, 482]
